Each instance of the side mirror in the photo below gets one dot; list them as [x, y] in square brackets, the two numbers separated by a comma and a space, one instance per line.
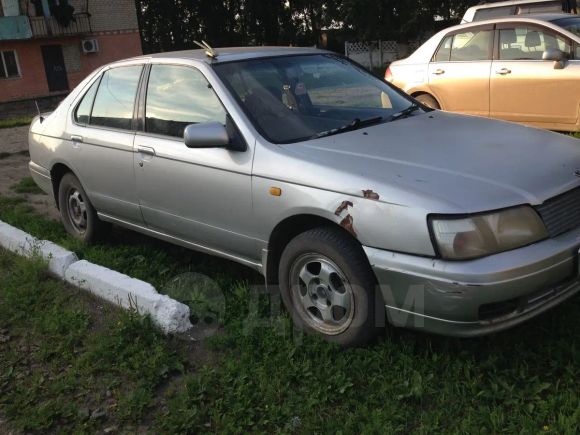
[206, 135]
[556, 55]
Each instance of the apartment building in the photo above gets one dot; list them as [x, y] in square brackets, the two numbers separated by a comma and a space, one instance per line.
[48, 46]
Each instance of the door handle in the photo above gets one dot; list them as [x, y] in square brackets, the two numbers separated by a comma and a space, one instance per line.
[439, 72]
[76, 138]
[504, 71]
[148, 151]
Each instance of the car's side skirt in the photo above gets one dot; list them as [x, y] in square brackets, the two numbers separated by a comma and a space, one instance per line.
[177, 241]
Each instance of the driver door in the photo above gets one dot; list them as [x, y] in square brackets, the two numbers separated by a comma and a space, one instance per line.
[525, 88]
[201, 195]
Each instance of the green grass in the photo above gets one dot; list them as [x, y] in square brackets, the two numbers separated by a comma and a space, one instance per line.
[67, 365]
[27, 185]
[261, 377]
[577, 135]
[15, 122]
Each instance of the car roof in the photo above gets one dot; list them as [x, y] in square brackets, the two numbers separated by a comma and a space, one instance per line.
[230, 54]
[548, 18]
[491, 5]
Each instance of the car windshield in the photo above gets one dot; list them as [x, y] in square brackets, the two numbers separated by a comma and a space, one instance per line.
[294, 98]
[571, 24]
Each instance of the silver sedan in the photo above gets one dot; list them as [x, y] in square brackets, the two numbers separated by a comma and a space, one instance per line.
[349, 195]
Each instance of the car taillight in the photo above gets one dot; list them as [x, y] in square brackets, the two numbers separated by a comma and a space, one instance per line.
[389, 75]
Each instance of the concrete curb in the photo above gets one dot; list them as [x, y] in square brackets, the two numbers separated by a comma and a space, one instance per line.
[168, 314]
[24, 244]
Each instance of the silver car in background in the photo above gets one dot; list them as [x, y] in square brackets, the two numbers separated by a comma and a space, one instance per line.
[498, 9]
[333, 184]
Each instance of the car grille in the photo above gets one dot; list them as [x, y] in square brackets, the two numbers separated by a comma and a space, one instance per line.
[562, 213]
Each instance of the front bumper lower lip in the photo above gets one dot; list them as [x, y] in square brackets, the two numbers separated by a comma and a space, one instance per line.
[404, 318]
[449, 298]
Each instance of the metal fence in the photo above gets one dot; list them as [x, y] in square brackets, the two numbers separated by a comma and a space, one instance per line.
[372, 54]
[378, 54]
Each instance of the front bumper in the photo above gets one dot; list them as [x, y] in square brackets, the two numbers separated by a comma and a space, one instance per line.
[478, 297]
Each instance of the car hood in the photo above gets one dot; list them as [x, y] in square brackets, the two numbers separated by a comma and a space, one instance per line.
[442, 162]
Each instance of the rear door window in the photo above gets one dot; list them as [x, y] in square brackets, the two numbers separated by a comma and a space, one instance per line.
[115, 98]
[473, 45]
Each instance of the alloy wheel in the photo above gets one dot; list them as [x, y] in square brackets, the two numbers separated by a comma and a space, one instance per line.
[322, 295]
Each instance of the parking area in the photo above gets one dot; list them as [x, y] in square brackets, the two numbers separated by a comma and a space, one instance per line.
[325, 217]
[14, 174]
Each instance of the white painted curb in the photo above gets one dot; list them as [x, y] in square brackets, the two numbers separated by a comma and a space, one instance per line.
[168, 314]
[24, 244]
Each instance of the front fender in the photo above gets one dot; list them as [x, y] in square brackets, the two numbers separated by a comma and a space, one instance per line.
[366, 216]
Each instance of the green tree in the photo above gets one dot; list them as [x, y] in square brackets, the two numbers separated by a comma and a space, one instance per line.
[176, 24]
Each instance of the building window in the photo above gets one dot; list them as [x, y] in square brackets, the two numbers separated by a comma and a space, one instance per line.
[8, 65]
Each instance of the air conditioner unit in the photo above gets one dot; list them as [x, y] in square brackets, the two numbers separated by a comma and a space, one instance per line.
[90, 46]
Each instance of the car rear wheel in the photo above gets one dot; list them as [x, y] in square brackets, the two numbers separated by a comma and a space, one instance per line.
[77, 213]
[428, 100]
[328, 286]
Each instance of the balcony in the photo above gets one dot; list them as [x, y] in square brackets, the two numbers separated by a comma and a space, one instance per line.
[13, 28]
[23, 27]
[49, 27]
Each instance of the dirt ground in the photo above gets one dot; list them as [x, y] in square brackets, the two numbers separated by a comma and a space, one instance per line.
[14, 167]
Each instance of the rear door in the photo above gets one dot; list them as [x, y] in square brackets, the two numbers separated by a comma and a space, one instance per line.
[525, 88]
[101, 142]
[460, 68]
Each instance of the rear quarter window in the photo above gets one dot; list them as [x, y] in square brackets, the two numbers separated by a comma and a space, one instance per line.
[444, 52]
[83, 111]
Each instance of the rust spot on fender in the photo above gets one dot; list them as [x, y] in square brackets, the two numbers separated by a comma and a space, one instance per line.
[348, 224]
[342, 207]
[369, 194]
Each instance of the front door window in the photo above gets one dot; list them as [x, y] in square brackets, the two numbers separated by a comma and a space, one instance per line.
[178, 96]
[528, 43]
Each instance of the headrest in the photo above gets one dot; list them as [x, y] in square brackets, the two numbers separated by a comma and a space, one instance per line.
[508, 36]
[533, 39]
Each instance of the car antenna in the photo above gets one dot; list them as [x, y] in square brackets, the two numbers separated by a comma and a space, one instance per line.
[41, 118]
[210, 52]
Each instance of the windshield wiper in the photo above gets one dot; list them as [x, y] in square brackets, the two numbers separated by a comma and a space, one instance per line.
[355, 124]
[406, 112]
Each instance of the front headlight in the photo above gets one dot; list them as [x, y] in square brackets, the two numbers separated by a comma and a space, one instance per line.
[486, 234]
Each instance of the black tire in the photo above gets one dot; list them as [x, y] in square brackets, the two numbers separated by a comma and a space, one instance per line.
[77, 213]
[338, 250]
[428, 100]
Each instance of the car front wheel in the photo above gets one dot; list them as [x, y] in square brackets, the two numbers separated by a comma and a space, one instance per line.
[328, 286]
[77, 213]
[429, 101]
